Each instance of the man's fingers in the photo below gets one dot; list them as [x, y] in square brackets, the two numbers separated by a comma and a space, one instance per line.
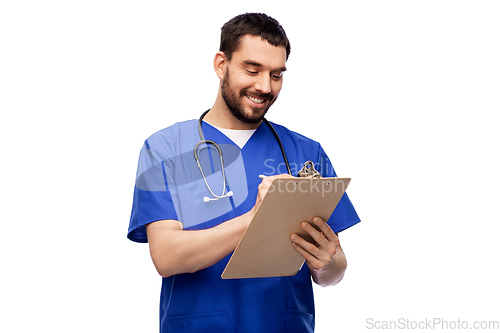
[266, 184]
[325, 229]
[312, 249]
[311, 253]
[317, 255]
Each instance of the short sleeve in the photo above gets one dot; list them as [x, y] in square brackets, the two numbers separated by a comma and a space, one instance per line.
[153, 200]
[344, 215]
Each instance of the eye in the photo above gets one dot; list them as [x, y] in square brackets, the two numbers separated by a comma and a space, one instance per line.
[277, 76]
[252, 72]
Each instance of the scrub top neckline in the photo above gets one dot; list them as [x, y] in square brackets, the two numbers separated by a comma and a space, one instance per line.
[232, 139]
[239, 137]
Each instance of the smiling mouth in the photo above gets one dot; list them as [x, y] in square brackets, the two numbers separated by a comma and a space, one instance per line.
[255, 99]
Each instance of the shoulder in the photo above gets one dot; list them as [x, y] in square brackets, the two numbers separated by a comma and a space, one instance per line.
[165, 143]
[300, 149]
[294, 137]
[172, 131]
[169, 137]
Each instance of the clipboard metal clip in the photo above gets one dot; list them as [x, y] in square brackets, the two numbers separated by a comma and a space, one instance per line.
[308, 171]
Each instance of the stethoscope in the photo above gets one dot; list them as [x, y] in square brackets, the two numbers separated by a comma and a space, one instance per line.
[214, 145]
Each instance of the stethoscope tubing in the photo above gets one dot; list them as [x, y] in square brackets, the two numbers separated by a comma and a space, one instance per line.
[214, 145]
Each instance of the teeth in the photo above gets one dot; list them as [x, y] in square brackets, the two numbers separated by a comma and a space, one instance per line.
[256, 100]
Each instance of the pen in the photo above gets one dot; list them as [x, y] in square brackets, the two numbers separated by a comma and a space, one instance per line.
[262, 176]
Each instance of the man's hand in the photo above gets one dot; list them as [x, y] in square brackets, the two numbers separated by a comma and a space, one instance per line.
[318, 255]
[264, 187]
[325, 259]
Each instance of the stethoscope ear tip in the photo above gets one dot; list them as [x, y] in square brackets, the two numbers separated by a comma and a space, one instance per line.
[206, 199]
[230, 193]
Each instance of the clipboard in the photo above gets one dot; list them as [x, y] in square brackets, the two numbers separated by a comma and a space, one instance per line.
[265, 249]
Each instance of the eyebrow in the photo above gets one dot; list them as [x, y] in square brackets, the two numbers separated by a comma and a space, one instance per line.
[257, 64]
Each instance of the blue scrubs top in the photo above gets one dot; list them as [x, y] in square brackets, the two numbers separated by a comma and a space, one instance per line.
[169, 185]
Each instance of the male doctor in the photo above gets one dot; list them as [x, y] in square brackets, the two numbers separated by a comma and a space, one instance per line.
[191, 240]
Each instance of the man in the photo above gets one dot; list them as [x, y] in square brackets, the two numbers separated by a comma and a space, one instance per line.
[192, 235]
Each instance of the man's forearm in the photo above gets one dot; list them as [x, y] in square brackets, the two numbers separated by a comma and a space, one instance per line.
[176, 251]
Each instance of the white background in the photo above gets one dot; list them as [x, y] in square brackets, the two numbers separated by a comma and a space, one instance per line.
[403, 96]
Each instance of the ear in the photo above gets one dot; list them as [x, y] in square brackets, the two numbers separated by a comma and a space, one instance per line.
[220, 63]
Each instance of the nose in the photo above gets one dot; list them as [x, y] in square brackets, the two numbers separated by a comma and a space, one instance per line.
[263, 84]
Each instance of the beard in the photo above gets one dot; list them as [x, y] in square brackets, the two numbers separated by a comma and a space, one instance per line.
[234, 104]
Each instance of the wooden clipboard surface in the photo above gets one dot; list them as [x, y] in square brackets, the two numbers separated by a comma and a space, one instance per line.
[265, 249]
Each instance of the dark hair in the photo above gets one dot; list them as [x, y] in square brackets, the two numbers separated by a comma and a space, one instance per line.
[254, 24]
